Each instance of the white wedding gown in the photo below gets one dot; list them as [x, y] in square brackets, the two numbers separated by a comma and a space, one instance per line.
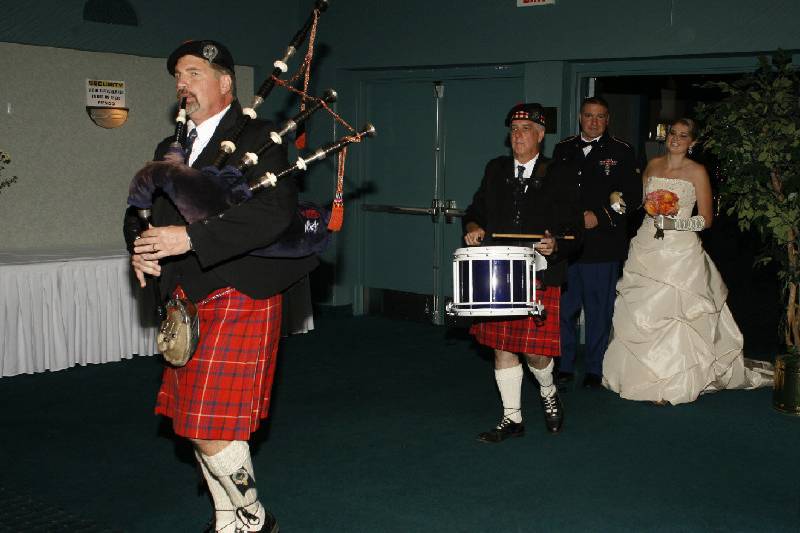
[673, 336]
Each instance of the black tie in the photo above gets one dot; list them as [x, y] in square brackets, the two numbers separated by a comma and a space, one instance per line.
[189, 142]
[520, 173]
[584, 144]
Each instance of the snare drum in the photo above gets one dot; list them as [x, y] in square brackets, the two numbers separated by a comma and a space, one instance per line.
[495, 281]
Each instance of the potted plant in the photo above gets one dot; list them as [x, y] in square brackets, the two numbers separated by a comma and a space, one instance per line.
[5, 159]
[754, 131]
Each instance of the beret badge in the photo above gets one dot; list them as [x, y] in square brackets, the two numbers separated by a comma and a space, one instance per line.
[210, 52]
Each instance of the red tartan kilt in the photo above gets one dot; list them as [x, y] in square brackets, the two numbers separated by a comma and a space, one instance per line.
[223, 392]
[522, 334]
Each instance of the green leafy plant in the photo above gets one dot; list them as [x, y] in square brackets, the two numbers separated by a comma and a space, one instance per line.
[5, 159]
[754, 131]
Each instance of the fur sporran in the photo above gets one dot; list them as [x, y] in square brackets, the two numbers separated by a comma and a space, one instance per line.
[180, 331]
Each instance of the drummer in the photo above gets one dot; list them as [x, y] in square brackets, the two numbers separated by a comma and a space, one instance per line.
[526, 194]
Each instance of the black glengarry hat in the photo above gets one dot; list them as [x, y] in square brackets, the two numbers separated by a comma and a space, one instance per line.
[212, 51]
[530, 111]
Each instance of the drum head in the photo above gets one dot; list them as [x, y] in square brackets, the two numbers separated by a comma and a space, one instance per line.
[492, 252]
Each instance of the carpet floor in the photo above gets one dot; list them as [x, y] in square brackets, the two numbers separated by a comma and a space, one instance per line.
[372, 429]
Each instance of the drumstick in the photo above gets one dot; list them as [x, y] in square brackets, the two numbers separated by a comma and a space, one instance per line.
[530, 236]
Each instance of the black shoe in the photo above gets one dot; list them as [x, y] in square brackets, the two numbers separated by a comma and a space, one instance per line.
[553, 413]
[270, 524]
[505, 429]
[592, 381]
[564, 378]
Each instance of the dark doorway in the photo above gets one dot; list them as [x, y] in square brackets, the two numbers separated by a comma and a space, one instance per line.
[641, 107]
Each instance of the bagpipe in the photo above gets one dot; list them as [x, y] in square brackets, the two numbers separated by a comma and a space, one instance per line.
[207, 192]
[200, 194]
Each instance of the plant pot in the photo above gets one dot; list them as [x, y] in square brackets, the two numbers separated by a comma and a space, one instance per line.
[786, 395]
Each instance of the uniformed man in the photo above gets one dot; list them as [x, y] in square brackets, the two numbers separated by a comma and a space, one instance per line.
[608, 179]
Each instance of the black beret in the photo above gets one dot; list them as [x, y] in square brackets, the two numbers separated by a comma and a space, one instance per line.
[212, 51]
[530, 111]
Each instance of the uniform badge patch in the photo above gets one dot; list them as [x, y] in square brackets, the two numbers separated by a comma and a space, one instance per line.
[607, 164]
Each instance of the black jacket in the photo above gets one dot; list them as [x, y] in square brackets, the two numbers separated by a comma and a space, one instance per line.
[502, 205]
[221, 242]
[609, 167]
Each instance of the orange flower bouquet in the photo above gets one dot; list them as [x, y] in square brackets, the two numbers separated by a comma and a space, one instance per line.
[661, 202]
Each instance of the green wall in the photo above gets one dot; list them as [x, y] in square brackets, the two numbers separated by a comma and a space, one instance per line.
[421, 32]
[73, 175]
[411, 33]
[162, 25]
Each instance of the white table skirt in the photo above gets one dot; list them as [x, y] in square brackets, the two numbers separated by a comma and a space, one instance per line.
[66, 308]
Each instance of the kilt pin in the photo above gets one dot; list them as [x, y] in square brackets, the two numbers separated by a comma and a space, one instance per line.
[223, 392]
[529, 335]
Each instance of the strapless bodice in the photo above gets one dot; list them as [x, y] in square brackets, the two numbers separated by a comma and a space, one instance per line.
[684, 189]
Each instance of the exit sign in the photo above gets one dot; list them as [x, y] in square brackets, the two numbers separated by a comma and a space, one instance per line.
[529, 3]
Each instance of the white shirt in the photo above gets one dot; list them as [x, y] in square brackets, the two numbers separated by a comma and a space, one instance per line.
[587, 149]
[204, 133]
[528, 167]
[528, 172]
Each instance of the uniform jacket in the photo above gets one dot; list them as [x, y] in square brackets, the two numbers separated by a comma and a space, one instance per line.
[221, 242]
[501, 205]
[609, 167]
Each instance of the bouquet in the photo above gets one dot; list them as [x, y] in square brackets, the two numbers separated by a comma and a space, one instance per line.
[661, 202]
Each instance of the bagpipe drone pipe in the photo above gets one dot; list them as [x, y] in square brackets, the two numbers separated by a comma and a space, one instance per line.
[228, 146]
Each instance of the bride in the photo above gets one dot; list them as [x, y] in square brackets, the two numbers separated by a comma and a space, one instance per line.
[674, 337]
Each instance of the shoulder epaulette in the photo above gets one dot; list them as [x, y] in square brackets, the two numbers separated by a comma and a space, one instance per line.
[622, 142]
[568, 139]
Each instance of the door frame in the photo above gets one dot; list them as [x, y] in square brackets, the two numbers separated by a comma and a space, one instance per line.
[580, 73]
[354, 83]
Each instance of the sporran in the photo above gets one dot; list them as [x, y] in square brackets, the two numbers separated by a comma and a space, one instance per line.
[180, 331]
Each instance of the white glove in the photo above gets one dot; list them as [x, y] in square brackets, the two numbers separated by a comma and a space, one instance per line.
[695, 223]
[617, 203]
